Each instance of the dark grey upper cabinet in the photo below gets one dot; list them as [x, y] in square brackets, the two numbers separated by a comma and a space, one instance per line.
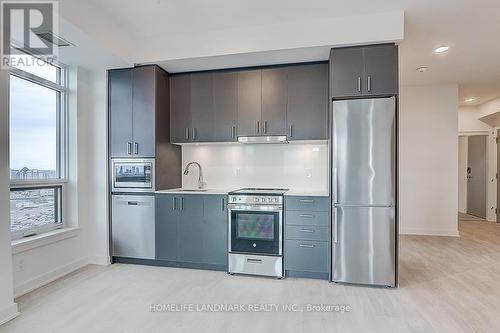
[120, 112]
[180, 108]
[364, 71]
[307, 111]
[144, 106]
[347, 69]
[225, 105]
[249, 102]
[381, 69]
[167, 227]
[274, 101]
[202, 107]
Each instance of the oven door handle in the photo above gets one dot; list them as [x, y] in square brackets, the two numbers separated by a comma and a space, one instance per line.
[248, 208]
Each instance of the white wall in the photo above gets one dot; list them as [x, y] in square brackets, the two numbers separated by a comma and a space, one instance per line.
[428, 166]
[8, 309]
[296, 166]
[468, 120]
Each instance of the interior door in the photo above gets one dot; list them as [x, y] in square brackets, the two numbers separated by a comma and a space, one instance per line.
[476, 176]
[498, 173]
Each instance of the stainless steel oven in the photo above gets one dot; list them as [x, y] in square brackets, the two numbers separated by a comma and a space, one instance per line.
[256, 232]
[133, 175]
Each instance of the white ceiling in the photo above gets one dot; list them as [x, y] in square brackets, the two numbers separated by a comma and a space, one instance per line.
[470, 27]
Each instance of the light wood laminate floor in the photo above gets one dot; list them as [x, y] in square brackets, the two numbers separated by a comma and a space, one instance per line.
[446, 285]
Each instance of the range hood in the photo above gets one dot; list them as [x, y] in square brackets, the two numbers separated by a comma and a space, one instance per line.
[263, 139]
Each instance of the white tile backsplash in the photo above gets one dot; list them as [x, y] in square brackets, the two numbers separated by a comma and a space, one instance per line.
[298, 166]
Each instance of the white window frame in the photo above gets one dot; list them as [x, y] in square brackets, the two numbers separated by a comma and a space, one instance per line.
[60, 183]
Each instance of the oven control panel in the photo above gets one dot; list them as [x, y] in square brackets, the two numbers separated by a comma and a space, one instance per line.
[256, 199]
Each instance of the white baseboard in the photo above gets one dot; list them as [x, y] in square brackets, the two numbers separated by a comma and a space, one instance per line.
[100, 260]
[48, 277]
[8, 313]
[430, 232]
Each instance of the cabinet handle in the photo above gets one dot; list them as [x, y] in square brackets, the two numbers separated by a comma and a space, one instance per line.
[182, 203]
[306, 200]
[369, 83]
[233, 132]
[136, 148]
[129, 148]
[223, 204]
[290, 131]
[359, 83]
[307, 230]
[307, 216]
[132, 203]
[194, 134]
[186, 134]
[258, 126]
[307, 245]
[265, 126]
[173, 203]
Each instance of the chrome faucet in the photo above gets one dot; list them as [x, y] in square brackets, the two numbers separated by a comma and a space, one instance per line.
[201, 183]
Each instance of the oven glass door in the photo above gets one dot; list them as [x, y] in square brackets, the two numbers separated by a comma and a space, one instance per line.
[133, 175]
[255, 232]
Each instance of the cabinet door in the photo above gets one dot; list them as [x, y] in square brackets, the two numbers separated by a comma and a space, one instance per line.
[274, 99]
[215, 230]
[191, 228]
[249, 102]
[120, 112]
[225, 105]
[307, 111]
[144, 108]
[347, 69]
[381, 70]
[167, 224]
[202, 107]
[180, 113]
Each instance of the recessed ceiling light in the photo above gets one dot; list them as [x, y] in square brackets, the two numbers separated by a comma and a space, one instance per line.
[422, 69]
[470, 99]
[441, 49]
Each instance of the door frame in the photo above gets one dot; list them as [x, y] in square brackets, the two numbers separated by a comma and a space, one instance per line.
[491, 167]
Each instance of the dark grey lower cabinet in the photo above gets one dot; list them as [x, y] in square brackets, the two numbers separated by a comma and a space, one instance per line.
[307, 237]
[191, 230]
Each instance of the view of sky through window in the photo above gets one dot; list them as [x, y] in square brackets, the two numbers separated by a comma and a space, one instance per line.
[33, 130]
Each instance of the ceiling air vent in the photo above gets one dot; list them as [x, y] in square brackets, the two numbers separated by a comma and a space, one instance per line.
[52, 38]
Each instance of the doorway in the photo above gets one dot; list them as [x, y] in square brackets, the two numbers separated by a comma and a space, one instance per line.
[473, 175]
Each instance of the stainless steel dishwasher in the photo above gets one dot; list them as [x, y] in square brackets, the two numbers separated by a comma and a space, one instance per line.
[133, 226]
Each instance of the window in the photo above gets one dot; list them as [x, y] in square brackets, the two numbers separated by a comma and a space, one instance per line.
[37, 147]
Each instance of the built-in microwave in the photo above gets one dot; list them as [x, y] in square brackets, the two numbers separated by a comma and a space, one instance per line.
[133, 175]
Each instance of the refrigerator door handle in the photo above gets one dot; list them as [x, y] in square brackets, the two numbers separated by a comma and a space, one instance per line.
[335, 225]
[336, 185]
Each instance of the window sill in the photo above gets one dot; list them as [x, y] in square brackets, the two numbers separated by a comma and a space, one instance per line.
[32, 242]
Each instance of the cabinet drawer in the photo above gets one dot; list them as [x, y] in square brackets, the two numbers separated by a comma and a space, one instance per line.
[297, 217]
[308, 256]
[307, 233]
[318, 204]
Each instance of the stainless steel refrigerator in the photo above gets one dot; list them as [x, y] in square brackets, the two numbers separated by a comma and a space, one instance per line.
[364, 169]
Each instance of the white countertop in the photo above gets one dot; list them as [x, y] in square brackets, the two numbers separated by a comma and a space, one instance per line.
[193, 191]
[307, 193]
[222, 191]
